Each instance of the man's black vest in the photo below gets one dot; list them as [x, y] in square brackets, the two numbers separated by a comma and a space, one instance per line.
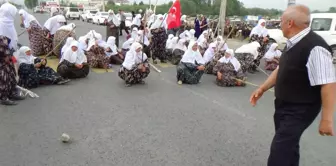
[292, 84]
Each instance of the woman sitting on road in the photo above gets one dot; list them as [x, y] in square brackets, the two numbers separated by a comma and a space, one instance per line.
[246, 54]
[49, 30]
[67, 44]
[96, 52]
[191, 67]
[272, 57]
[34, 72]
[73, 63]
[62, 33]
[178, 52]
[135, 67]
[127, 45]
[229, 70]
[112, 52]
[209, 58]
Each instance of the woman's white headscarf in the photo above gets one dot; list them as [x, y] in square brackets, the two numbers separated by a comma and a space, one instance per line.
[191, 56]
[184, 34]
[209, 53]
[191, 34]
[250, 48]
[172, 43]
[82, 42]
[170, 37]
[127, 44]
[77, 57]
[110, 43]
[134, 33]
[159, 22]
[181, 45]
[67, 44]
[7, 28]
[23, 58]
[142, 38]
[133, 58]
[27, 18]
[53, 23]
[231, 59]
[137, 20]
[202, 40]
[112, 17]
[273, 52]
[260, 30]
[68, 27]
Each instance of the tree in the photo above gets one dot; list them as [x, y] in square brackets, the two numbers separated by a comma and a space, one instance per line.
[332, 10]
[31, 3]
[141, 3]
[134, 3]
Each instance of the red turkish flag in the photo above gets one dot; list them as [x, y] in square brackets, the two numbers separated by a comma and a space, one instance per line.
[174, 15]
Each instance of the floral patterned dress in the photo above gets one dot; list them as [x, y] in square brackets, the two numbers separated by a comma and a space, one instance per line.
[228, 75]
[35, 38]
[59, 36]
[97, 58]
[188, 73]
[134, 76]
[158, 44]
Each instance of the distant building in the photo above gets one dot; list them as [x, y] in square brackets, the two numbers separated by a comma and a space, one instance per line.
[291, 2]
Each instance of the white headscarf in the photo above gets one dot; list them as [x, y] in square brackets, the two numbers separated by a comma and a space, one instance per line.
[221, 46]
[184, 34]
[68, 27]
[53, 23]
[134, 33]
[77, 57]
[181, 45]
[27, 18]
[191, 34]
[7, 28]
[209, 53]
[251, 48]
[142, 39]
[82, 42]
[231, 59]
[127, 44]
[259, 29]
[111, 44]
[273, 52]
[67, 44]
[191, 56]
[24, 58]
[172, 43]
[170, 37]
[137, 20]
[183, 18]
[112, 17]
[159, 21]
[133, 58]
[202, 40]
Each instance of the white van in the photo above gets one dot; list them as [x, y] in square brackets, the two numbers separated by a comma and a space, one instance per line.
[72, 13]
[324, 24]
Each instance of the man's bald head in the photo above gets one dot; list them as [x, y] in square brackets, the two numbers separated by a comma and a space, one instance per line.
[294, 19]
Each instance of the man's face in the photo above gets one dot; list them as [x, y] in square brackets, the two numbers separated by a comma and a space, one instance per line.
[285, 25]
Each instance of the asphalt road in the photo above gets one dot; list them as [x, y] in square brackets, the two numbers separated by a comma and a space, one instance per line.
[156, 124]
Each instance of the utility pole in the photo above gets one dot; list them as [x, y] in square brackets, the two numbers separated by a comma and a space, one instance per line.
[103, 5]
[222, 13]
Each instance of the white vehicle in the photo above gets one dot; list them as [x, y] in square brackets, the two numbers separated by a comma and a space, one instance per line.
[324, 24]
[128, 21]
[38, 9]
[100, 18]
[72, 13]
[88, 15]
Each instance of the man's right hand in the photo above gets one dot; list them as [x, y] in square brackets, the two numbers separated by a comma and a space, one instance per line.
[256, 95]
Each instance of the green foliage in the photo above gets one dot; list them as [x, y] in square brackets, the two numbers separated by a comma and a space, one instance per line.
[205, 7]
[72, 5]
[31, 3]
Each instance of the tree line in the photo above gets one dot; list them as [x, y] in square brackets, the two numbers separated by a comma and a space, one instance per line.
[194, 7]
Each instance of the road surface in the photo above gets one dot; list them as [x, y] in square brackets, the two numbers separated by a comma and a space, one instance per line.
[156, 124]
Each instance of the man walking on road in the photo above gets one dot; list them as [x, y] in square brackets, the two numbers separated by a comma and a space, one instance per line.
[123, 23]
[305, 82]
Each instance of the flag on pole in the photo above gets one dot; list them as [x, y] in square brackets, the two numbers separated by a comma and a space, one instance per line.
[174, 15]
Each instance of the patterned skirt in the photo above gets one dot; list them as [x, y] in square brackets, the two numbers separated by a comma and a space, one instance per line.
[158, 44]
[209, 67]
[169, 54]
[69, 70]
[60, 37]
[270, 65]
[35, 38]
[246, 60]
[176, 56]
[97, 58]
[133, 76]
[187, 75]
[229, 75]
[47, 42]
